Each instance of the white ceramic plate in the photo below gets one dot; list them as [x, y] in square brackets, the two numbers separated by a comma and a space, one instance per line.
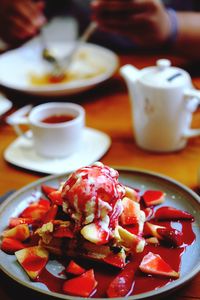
[177, 195]
[21, 153]
[93, 65]
[5, 104]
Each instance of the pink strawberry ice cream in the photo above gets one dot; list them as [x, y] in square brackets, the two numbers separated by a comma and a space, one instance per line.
[93, 194]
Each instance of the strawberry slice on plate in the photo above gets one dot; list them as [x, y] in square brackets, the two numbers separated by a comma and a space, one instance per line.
[46, 189]
[171, 213]
[153, 197]
[117, 260]
[52, 194]
[154, 264]
[81, 286]
[50, 214]
[74, 269]
[55, 197]
[122, 285]
[36, 210]
[169, 236]
[10, 245]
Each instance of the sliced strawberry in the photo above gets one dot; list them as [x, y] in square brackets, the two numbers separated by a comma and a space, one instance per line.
[131, 212]
[33, 260]
[155, 265]
[20, 232]
[153, 197]
[117, 260]
[35, 211]
[171, 237]
[55, 197]
[74, 268]
[50, 214]
[171, 213]
[44, 203]
[18, 221]
[82, 285]
[122, 285]
[46, 189]
[10, 245]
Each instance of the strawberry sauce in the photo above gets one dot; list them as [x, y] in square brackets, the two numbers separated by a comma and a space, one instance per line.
[138, 281]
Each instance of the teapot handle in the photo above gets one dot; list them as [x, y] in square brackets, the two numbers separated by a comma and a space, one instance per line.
[192, 98]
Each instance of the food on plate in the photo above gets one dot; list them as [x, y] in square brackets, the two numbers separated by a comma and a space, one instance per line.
[154, 264]
[82, 285]
[112, 240]
[32, 259]
[84, 66]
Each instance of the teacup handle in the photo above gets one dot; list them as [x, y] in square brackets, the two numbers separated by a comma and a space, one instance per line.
[20, 117]
[192, 98]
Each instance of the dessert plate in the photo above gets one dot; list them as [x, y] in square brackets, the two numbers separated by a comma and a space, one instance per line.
[92, 65]
[21, 153]
[177, 195]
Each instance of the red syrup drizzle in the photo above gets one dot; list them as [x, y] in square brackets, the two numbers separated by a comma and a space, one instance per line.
[53, 283]
[142, 282]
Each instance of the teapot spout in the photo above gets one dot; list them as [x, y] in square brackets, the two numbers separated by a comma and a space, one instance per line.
[131, 76]
[129, 73]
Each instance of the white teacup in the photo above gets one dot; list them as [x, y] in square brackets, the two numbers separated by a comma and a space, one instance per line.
[56, 127]
[163, 101]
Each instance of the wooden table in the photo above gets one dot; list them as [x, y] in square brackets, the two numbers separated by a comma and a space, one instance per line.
[108, 109]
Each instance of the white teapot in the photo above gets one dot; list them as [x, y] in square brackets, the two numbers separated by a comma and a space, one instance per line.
[163, 100]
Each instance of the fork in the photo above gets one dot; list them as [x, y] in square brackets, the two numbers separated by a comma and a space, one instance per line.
[59, 66]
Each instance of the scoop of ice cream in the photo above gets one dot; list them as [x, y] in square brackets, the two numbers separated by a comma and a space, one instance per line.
[92, 194]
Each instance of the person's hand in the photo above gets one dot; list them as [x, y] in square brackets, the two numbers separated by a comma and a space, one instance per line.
[20, 19]
[146, 22]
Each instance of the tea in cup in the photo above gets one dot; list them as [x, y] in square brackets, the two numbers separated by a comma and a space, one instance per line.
[56, 128]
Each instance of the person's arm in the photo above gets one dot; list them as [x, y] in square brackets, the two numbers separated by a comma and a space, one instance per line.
[20, 19]
[150, 25]
[146, 22]
[188, 34]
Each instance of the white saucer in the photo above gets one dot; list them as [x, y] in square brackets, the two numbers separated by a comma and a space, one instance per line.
[21, 153]
[5, 104]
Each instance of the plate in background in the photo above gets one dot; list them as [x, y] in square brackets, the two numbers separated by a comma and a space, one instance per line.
[94, 65]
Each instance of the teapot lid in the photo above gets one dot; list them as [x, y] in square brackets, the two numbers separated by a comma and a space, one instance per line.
[164, 75]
